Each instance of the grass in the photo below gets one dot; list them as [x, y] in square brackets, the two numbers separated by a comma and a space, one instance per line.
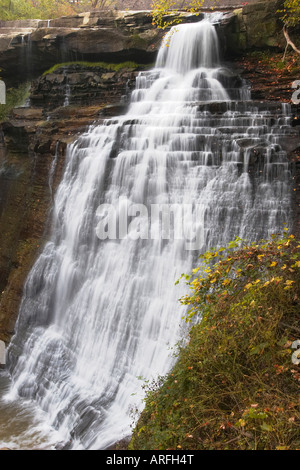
[235, 385]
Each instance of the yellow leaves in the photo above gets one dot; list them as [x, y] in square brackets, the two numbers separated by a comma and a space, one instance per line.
[251, 284]
[288, 284]
[276, 279]
[241, 422]
[216, 280]
[195, 283]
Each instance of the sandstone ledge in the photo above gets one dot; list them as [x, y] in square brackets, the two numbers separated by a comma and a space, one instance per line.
[29, 47]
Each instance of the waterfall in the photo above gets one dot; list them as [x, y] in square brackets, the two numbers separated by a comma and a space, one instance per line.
[100, 311]
[67, 95]
[53, 168]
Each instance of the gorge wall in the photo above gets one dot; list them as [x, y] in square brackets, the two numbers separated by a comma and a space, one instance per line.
[71, 97]
[33, 46]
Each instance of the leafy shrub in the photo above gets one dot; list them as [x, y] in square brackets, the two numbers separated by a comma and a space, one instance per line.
[234, 385]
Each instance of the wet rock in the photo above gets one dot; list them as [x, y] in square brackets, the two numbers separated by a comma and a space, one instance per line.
[255, 26]
[252, 143]
[112, 37]
[35, 114]
[29, 142]
[81, 85]
[35, 46]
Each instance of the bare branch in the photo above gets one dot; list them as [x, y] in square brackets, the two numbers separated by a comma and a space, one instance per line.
[288, 40]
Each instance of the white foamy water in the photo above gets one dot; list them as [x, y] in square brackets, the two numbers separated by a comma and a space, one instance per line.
[96, 315]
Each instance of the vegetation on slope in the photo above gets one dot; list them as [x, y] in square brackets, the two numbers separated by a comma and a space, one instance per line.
[236, 383]
[105, 65]
[45, 9]
[290, 16]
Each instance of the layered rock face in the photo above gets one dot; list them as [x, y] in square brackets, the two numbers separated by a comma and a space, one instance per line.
[255, 26]
[32, 150]
[71, 97]
[28, 48]
[79, 84]
[62, 104]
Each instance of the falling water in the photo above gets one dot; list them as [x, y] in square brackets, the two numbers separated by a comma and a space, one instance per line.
[67, 95]
[97, 315]
[53, 168]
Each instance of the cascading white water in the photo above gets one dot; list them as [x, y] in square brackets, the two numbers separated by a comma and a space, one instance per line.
[98, 314]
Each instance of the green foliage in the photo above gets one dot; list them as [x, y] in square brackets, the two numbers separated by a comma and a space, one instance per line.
[165, 13]
[42, 9]
[104, 65]
[47, 9]
[14, 97]
[235, 265]
[234, 385]
[290, 13]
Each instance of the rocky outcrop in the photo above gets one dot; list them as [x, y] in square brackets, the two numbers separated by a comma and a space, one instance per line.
[29, 47]
[255, 26]
[64, 102]
[25, 200]
[32, 149]
[86, 85]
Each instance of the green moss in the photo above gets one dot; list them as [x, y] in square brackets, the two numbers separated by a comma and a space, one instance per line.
[104, 65]
[14, 97]
[234, 385]
[137, 41]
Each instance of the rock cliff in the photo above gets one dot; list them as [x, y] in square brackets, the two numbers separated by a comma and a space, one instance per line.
[87, 84]
[32, 150]
[29, 47]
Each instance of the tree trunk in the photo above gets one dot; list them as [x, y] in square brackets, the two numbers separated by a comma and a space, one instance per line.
[289, 42]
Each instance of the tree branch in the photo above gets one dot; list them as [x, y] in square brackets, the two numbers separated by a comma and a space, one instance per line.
[288, 40]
